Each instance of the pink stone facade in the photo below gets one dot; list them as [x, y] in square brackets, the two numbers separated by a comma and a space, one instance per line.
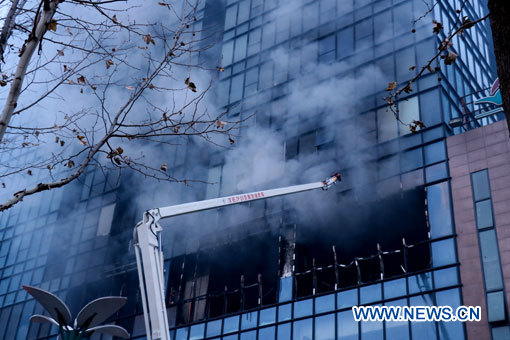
[487, 147]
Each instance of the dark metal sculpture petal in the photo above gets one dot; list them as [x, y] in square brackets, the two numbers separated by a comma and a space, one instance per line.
[42, 319]
[55, 307]
[97, 311]
[113, 330]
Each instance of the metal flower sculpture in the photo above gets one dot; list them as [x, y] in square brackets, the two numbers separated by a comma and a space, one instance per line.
[88, 320]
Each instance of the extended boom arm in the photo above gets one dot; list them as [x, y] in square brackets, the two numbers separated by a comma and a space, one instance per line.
[149, 254]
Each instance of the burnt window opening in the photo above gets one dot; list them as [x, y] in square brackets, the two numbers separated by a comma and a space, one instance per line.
[389, 238]
[224, 279]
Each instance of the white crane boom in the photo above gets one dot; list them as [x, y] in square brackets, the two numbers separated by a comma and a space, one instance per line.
[149, 254]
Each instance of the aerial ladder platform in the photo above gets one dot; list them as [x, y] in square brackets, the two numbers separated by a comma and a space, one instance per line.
[149, 252]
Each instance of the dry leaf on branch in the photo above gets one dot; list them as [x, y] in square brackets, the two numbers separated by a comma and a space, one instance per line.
[176, 129]
[467, 23]
[419, 123]
[391, 86]
[191, 85]
[163, 167]
[60, 53]
[129, 87]
[82, 139]
[444, 45]
[81, 79]
[109, 63]
[436, 26]
[148, 39]
[220, 124]
[52, 26]
[449, 58]
[231, 140]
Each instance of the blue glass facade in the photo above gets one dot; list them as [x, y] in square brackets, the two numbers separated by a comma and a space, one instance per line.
[329, 316]
[269, 48]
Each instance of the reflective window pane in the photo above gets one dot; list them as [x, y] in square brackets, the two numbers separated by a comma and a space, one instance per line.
[394, 288]
[372, 330]
[227, 52]
[435, 152]
[411, 160]
[252, 335]
[230, 17]
[267, 333]
[325, 303]
[420, 283]
[398, 330]
[496, 306]
[443, 252]
[439, 212]
[409, 111]
[501, 332]
[284, 312]
[325, 327]
[249, 320]
[490, 260]
[450, 330]
[436, 172]
[303, 308]
[347, 298]
[213, 328]
[197, 332]
[285, 289]
[181, 334]
[267, 316]
[445, 277]
[423, 330]
[240, 48]
[387, 127]
[231, 324]
[480, 182]
[302, 330]
[345, 42]
[347, 326]
[484, 214]
[370, 293]
[284, 331]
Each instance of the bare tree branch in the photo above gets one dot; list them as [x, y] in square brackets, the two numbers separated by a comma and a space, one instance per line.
[40, 27]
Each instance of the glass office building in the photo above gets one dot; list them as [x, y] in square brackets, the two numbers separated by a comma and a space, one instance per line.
[313, 74]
